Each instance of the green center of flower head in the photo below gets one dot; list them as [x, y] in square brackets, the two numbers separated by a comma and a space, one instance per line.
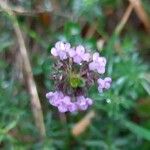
[76, 81]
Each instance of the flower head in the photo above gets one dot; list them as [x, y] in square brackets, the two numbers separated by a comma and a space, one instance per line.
[75, 71]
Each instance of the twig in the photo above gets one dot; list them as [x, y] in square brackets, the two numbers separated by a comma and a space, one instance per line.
[21, 11]
[35, 102]
[91, 30]
[124, 19]
[100, 44]
[82, 125]
[141, 13]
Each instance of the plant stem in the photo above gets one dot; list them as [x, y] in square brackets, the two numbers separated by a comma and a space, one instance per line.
[35, 102]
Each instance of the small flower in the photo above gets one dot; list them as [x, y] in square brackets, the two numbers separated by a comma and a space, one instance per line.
[95, 56]
[86, 57]
[108, 81]
[75, 70]
[60, 50]
[98, 64]
[104, 84]
[89, 101]
[72, 107]
[82, 103]
[54, 52]
[55, 98]
[79, 53]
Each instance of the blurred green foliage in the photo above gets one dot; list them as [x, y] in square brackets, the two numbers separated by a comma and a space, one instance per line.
[122, 113]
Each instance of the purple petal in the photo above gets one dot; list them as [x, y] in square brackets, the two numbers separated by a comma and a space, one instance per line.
[101, 83]
[56, 99]
[62, 109]
[57, 45]
[95, 56]
[62, 55]
[80, 50]
[77, 59]
[89, 101]
[101, 69]
[67, 46]
[86, 57]
[108, 79]
[107, 82]
[66, 100]
[71, 52]
[100, 89]
[54, 52]
[81, 102]
[80, 98]
[107, 85]
[60, 45]
[54, 102]
[92, 66]
[83, 106]
[102, 61]
[49, 95]
[72, 107]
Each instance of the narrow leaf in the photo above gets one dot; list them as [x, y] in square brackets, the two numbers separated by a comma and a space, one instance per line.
[138, 130]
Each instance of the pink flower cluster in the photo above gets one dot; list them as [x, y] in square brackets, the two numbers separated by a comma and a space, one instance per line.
[64, 51]
[76, 66]
[64, 103]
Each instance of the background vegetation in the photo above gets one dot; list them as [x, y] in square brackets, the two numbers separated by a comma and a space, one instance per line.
[119, 30]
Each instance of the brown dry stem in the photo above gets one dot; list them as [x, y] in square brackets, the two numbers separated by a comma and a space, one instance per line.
[35, 102]
[82, 125]
[138, 7]
[124, 19]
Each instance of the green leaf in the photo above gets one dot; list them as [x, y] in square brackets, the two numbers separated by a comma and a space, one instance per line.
[10, 126]
[146, 86]
[143, 107]
[3, 64]
[96, 143]
[4, 45]
[138, 130]
[72, 28]
[37, 70]
[2, 136]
